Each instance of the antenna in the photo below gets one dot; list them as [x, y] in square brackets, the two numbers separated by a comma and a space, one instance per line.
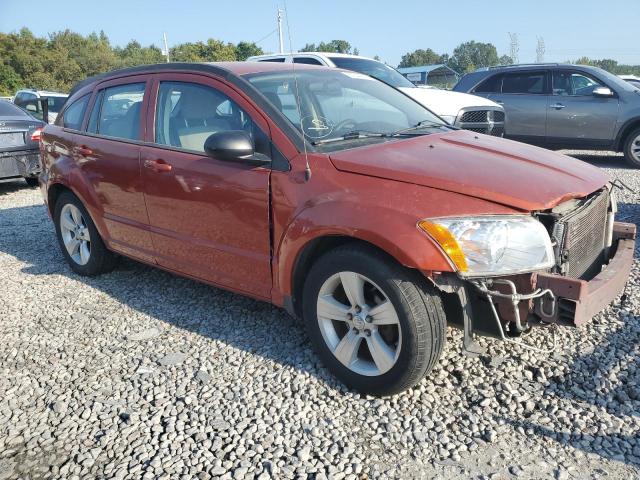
[165, 52]
[515, 47]
[307, 168]
[280, 39]
[540, 50]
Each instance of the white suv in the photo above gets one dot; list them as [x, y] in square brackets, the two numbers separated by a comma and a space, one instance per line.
[29, 100]
[460, 109]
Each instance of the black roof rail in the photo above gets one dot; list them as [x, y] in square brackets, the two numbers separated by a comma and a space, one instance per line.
[548, 64]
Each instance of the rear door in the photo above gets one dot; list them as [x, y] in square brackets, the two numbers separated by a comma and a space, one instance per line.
[109, 155]
[576, 116]
[209, 218]
[524, 95]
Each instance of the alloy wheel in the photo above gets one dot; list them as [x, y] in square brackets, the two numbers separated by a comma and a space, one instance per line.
[635, 148]
[75, 234]
[359, 323]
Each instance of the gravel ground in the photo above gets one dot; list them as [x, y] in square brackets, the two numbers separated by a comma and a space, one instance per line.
[141, 374]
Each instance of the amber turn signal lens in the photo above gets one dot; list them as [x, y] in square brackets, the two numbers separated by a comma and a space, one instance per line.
[449, 244]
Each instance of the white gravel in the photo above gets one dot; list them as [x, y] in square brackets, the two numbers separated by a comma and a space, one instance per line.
[141, 374]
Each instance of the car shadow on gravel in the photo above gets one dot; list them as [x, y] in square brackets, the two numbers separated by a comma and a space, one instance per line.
[235, 320]
[600, 159]
[12, 185]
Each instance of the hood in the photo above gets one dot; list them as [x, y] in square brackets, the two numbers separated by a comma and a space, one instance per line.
[502, 171]
[446, 103]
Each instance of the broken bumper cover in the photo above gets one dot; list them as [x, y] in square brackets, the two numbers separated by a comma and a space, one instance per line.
[577, 301]
[20, 163]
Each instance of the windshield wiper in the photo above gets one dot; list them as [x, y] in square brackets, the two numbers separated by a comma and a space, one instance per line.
[353, 135]
[423, 124]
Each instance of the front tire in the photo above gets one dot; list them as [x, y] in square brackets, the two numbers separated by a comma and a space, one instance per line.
[632, 148]
[79, 239]
[378, 326]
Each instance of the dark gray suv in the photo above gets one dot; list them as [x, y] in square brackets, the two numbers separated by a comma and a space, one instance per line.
[563, 106]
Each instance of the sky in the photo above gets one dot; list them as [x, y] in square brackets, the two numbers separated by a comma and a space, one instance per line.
[570, 28]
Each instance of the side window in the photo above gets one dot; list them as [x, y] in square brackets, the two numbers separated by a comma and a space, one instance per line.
[532, 83]
[490, 85]
[120, 111]
[567, 83]
[188, 113]
[74, 113]
[307, 61]
[276, 60]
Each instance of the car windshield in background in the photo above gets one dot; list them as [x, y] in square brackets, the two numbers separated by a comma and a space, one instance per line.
[56, 103]
[342, 105]
[375, 69]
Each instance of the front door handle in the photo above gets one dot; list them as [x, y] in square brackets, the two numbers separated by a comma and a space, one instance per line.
[158, 165]
[557, 106]
[85, 151]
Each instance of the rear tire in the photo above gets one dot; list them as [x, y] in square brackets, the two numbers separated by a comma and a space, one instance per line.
[632, 148]
[31, 181]
[79, 239]
[392, 340]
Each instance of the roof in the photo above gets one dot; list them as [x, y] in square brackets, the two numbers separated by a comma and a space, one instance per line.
[425, 68]
[224, 69]
[320, 54]
[43, 93]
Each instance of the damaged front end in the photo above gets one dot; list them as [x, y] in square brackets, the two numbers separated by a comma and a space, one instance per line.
[593, 257]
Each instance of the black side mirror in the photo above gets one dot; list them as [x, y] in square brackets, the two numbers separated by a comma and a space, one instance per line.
[233, 146]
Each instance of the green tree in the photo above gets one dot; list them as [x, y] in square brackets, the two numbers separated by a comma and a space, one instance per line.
[135, 54]
[334, 46]
[245, 50]
[505, 60]
[421, 57]
[471, 55]
[10, 81]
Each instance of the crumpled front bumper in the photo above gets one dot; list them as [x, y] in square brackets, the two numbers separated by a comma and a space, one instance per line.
[577, 301]
[20, 163]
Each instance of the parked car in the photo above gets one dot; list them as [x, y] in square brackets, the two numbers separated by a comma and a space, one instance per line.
[337, 197]
[464, 111]
[564, 106]
[19, 136]
[632, 79]
[31, 100]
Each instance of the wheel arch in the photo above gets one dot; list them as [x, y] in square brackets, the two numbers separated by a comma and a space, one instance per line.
[625, 131]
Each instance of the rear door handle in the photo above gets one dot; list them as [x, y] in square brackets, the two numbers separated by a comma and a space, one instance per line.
[557, 106]
[85, 151]
[158, 165]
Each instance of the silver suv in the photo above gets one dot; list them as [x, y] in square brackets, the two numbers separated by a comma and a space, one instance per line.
[563, 106]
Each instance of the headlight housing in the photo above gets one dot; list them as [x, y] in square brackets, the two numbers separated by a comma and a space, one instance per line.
[492, 245]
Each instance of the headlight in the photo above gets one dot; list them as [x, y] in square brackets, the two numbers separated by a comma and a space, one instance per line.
[492, 245]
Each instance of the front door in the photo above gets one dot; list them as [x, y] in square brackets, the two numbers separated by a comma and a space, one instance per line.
[576, 116]
[209, 218]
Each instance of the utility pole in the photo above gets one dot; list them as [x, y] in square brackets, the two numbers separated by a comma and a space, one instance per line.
[280, 39]
[515, 47]
[540, 50]
[165, 52]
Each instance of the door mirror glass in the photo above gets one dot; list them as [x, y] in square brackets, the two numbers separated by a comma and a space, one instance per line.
[229, 145]
[602, 92]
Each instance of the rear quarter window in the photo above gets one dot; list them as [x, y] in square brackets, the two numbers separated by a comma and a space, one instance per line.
[74, 114]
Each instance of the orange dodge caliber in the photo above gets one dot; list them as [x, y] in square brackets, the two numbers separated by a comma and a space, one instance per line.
[337, 197]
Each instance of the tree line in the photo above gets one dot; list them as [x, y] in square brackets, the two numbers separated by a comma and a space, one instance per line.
[64, 58]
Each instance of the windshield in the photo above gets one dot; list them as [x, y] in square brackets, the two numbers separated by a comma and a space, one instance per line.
[56, 103]
[614, 81]
[374, 68]
[335, 103]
